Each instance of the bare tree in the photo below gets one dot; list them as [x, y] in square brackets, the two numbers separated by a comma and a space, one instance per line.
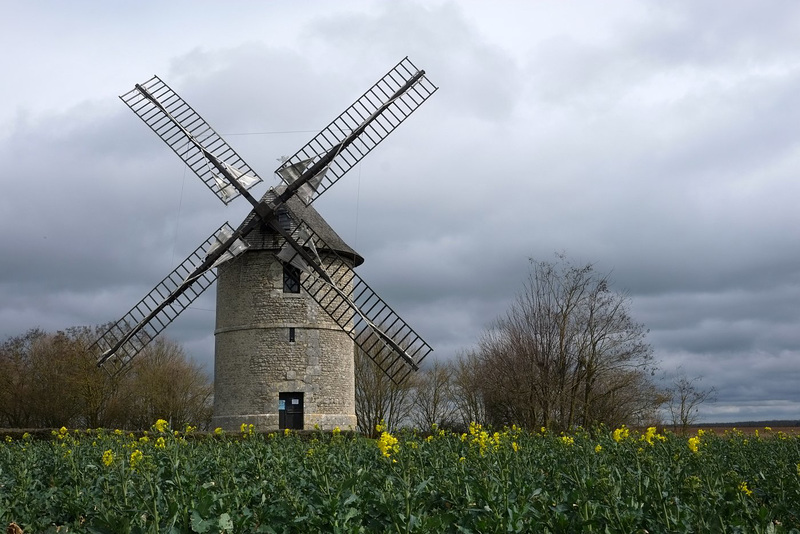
[16, 390]
[433, 401]
[54, 400]
[686, 396]
[468, 390]
[565, 353]
[164, 384]
[378, 398]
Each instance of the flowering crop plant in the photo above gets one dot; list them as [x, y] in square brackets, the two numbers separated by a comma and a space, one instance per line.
[482, 480]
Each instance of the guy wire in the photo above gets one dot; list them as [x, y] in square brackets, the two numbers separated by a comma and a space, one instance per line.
[178, 217]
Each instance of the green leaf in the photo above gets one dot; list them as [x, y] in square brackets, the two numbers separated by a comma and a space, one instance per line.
[225, 523]
[199, 524]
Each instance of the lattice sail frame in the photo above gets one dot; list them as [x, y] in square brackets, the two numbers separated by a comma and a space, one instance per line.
[355, 307]
[189, 135]
[138, 341]
[342, 127]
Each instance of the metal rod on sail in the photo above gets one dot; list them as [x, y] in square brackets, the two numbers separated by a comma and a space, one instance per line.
[206, 154]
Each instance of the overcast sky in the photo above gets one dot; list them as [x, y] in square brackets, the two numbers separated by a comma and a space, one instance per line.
[658, 140]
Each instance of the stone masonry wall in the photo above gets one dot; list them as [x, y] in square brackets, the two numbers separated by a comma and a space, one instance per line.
[255, 361]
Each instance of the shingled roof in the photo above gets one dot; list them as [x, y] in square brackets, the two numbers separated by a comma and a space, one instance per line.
[263, 239]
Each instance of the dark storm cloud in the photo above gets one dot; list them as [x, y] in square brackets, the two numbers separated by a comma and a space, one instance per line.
[657, 141]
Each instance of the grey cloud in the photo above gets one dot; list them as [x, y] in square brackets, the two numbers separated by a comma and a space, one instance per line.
[484, 77]
[712, 34]
[658, 142]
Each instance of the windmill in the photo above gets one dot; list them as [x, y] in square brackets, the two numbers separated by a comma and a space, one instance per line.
[290, 307]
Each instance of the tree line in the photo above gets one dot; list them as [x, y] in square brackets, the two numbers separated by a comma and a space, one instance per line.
[567, 353]
[52, 380]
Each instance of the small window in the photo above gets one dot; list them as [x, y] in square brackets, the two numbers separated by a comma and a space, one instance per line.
[284, 219]
[291, 334]
[291, 279]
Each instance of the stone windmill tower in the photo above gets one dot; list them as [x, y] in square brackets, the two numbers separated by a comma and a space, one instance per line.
[280, 360]
[290, 306]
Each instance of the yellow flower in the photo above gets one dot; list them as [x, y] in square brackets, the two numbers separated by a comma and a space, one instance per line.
[481, 439]
[598, 448]
[218, 431]
[388, 444]
[336, 431]
[514, 446]
[247, 430]
[144, 439]
[136, 458]
[160, 443]
[462, 459]
[694, 444]
[117, 432]
[621, 433]
[190, 428]
[744, 489]
[8, 439]
[161, 425]
[568, 440]
[649, 435]
[380, 427]
[287, 431]
[108, 457]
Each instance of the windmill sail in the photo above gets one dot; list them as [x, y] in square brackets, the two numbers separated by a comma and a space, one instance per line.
[359, 129]
[385, 337]
[192, 139]
[137, 328]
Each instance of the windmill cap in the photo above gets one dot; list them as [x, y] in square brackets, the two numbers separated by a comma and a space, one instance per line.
[261, 239]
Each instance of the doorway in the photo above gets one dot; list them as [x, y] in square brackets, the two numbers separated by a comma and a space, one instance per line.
[290, 411]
